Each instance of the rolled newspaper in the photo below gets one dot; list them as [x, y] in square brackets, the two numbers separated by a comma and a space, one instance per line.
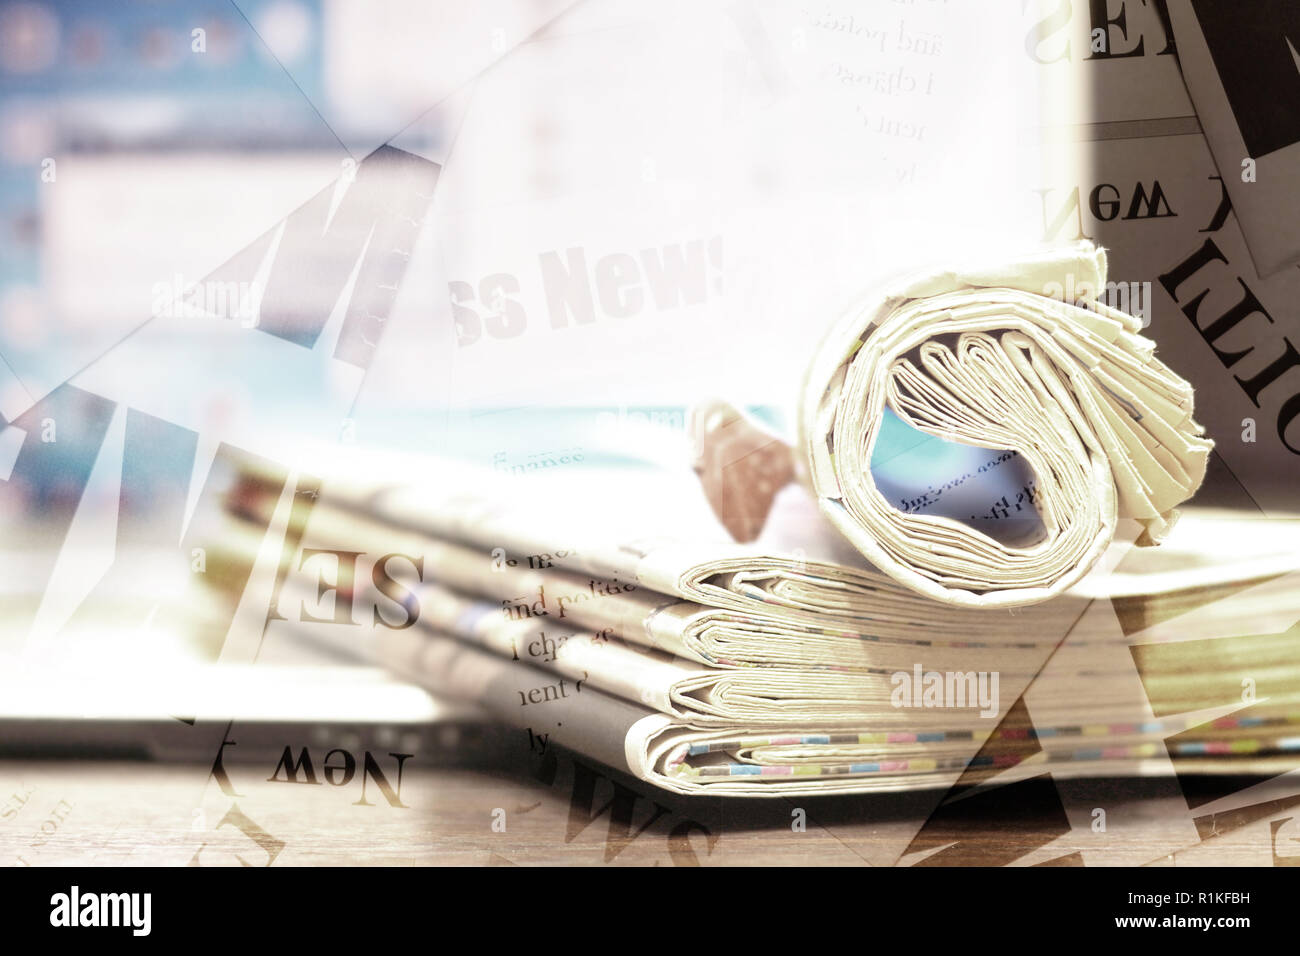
[1025, 360]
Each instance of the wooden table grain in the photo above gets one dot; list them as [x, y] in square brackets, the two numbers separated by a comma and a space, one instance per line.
[522, 811]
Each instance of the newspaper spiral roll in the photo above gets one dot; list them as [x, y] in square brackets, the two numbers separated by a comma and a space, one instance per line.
[989, 358]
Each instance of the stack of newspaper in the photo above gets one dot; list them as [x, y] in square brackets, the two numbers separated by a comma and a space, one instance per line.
[604, 611]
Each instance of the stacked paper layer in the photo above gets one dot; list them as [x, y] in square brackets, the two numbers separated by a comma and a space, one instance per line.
[711, 667]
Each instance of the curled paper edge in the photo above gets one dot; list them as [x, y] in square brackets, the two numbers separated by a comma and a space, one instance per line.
[1032, 272]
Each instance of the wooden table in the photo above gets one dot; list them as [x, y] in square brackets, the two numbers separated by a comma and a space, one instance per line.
[517, 809]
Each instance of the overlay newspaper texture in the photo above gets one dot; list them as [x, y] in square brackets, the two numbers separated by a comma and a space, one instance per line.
[1243, 74]
[244, 818]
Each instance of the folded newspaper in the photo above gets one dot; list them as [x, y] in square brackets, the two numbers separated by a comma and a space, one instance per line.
[818, 677]
[1027, 361]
